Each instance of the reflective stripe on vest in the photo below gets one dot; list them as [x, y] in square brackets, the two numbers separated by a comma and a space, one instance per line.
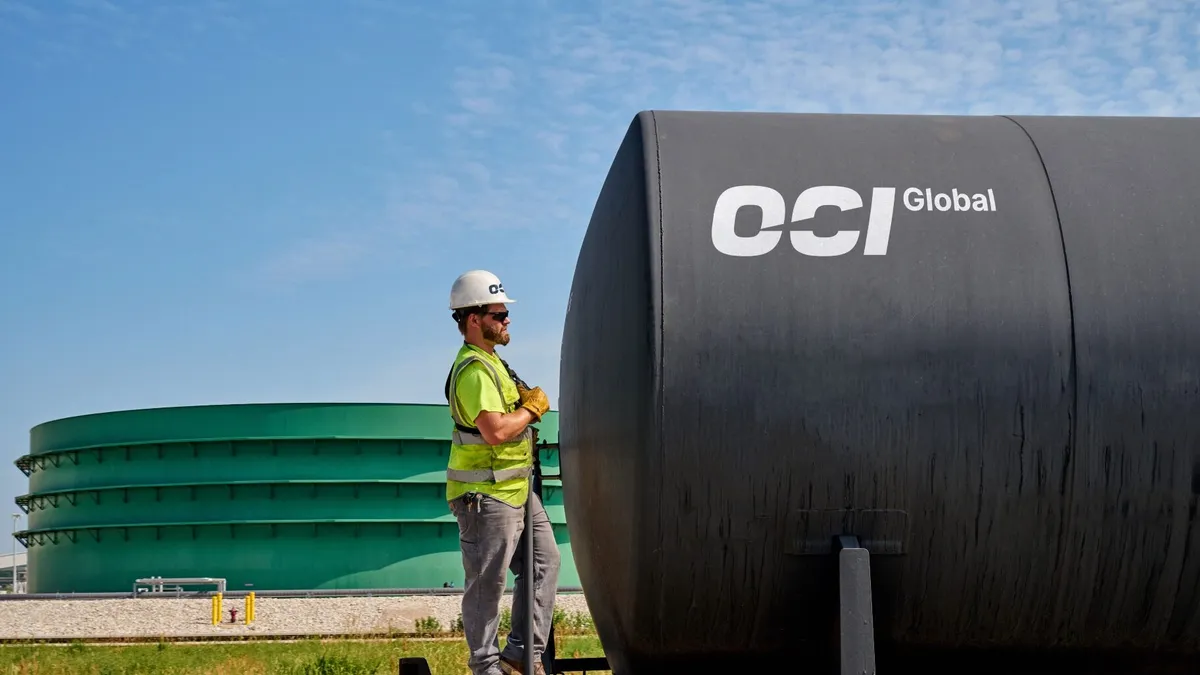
[482, 475]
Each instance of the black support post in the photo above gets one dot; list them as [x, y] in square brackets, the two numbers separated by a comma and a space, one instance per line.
[548, 655]
[856, 620]
[530, 585]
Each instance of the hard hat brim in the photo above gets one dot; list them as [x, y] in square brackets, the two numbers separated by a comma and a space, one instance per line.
[500, 301]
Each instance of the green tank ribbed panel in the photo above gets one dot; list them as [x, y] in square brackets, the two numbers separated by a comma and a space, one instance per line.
[269, 496]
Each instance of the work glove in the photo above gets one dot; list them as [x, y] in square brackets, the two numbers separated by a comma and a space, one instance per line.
[535, 401]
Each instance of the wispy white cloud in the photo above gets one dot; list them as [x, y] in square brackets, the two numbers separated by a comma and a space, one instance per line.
[98, 5]
[561, 91]
[15, 8]
[74, 31]
[314, 258]
[482, 90]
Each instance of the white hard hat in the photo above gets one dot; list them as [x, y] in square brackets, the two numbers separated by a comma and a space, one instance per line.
[475, 288]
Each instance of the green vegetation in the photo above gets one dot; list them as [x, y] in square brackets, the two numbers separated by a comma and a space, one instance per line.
[309, 657]
[441, 645]
[565, 623]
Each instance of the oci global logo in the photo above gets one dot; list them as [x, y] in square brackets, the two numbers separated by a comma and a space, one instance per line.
[773, 211]
[916, 199]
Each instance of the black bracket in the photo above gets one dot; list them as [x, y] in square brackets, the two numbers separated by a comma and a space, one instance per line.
[417, 665]
[581, 665]
[414, 665]
[856, 621]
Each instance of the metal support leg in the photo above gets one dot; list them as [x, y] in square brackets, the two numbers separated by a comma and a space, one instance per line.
[856, 620]
[548, 655]
[530, 585]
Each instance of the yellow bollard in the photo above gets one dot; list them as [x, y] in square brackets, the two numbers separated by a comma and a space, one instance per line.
[250, 607]
[216, 609]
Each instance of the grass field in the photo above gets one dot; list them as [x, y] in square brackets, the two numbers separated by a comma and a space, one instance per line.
[334, 657]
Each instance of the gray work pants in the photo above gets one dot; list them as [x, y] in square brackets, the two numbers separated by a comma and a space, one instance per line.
[492, 542]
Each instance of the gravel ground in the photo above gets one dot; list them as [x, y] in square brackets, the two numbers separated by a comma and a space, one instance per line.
[193, 616]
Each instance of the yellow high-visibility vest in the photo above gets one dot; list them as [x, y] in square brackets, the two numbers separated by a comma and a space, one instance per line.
[501, 471]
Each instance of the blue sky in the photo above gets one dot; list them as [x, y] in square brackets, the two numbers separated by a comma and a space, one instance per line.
[210, 202]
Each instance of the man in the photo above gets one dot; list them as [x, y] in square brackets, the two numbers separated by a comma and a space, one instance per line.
[487, 482]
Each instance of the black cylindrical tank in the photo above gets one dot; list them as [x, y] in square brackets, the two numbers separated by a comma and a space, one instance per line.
[972, 341]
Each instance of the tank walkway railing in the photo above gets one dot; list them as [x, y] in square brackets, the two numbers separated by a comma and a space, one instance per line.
[39, 537]
[27, 463]
[39, 499]
[156, 584]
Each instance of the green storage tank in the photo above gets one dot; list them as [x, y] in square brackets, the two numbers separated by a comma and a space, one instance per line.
[268, 496]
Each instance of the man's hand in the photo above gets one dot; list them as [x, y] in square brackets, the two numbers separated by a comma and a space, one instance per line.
[535, 401]
[497, 428]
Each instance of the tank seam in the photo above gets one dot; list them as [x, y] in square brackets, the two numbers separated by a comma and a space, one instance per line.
[1074, 377]
[658, 366]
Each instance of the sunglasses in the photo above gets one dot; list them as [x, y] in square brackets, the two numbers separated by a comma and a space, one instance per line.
[498, 316]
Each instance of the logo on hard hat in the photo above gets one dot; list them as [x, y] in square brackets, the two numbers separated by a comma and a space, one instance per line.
[496, 289]
[879, 221]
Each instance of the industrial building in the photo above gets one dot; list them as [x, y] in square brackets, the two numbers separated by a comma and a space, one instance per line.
[12, 572]
[292, 496]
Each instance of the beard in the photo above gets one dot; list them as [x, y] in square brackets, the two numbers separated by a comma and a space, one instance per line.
[496, 334]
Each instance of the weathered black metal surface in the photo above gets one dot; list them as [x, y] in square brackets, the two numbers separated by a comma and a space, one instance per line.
[1127, 547]
[1017, 449]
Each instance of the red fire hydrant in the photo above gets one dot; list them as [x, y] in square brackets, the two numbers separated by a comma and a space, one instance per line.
[232, 615]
